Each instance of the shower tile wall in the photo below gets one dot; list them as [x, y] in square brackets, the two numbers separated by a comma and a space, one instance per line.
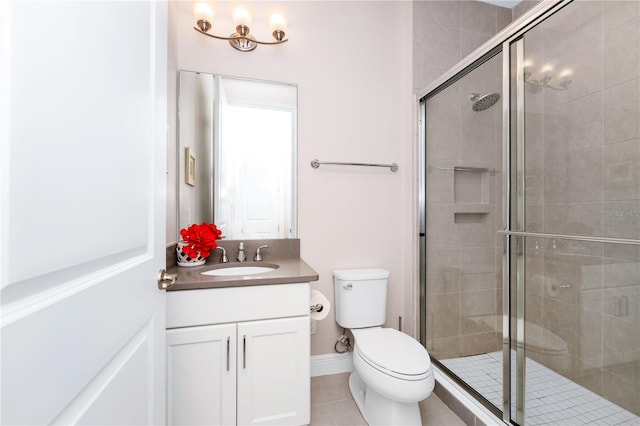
[464, 207]
[444, 32]
[462, 279]
[582, 167]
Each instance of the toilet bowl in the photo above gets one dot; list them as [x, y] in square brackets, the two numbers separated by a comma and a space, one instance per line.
[542, 344]
[392, 371]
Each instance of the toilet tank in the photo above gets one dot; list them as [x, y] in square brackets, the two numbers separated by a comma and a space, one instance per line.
[360, 297]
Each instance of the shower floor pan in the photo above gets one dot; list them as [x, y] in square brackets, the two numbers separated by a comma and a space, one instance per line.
[551, 399]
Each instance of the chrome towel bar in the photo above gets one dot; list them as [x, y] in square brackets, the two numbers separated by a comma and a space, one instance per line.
[316, 163]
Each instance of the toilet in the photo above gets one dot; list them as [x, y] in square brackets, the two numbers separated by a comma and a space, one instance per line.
[392, 371]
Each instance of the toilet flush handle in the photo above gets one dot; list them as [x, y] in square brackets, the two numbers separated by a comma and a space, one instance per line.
[348, 286]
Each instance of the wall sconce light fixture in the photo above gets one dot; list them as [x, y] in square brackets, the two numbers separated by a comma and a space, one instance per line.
[241, 39]
[536, 85]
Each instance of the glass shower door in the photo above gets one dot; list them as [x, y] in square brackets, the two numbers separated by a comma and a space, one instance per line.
[575, 195]
[463, 250]
[549, 238]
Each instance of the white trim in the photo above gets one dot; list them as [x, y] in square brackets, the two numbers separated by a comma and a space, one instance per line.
[478, 410]
[325, 364]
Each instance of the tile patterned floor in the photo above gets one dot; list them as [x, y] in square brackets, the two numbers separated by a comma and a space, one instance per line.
[551, 398]
[332, 405]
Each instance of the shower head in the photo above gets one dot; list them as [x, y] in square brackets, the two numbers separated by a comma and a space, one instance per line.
[480, 103]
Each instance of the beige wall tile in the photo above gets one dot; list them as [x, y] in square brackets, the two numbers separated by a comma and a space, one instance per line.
[556, 179]
[471, 40]
[561, 318]
[622, 219]
[617, 12]
[479, 234]
[441, 231]
[444, 348]
[621, 392]
[591, 330]
[443, 271]
[443, 136]
[445, 13]
[478, 16]
[475, 303]
[440, 183]
[622, 170]
[584, 168]
[585, 122]
[622, 112]
[572, 27]
[481, 343]
[621, 342]
[441, 44]
[587, 66]
[622, 273]
[622, 52]
[443, 315]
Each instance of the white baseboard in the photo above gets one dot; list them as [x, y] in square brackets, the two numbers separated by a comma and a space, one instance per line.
[325, 364]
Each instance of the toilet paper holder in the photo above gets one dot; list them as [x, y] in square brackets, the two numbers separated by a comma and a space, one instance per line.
[316, 308]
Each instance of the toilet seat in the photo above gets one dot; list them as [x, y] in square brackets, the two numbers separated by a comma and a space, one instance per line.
[392, 352]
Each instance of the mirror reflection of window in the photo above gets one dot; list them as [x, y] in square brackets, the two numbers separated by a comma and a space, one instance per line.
[254, 161]
[256, 145]
[244, 140]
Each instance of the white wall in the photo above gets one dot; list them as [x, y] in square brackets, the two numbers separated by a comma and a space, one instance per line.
[351, 61]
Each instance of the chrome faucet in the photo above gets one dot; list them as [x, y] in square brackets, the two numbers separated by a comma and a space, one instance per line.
[258, 256]
[223, 258]
[241, 256]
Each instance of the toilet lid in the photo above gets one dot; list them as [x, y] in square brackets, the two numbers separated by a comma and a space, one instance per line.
[392, 350]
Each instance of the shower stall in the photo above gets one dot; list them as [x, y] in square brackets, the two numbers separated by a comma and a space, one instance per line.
[530, 217]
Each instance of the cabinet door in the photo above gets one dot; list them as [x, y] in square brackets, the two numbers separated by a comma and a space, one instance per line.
[273, 372]
[201, 375]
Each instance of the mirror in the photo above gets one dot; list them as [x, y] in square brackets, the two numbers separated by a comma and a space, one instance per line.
[237, 142]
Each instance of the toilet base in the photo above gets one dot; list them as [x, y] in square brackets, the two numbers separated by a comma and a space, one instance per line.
[379, 410]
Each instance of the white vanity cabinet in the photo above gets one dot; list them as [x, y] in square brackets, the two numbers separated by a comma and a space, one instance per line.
[239, 355]
[201, 375]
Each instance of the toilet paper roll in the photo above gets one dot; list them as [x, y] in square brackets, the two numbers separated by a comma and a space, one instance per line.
[319, 298]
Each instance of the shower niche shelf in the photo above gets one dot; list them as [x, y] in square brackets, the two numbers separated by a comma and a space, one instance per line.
[471, 194]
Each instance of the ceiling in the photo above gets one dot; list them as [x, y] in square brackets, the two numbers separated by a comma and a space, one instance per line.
[503, 3]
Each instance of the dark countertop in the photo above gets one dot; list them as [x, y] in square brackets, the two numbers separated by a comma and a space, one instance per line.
[291, 270]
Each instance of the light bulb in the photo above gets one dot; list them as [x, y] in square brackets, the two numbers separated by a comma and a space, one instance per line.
[203, 11]
[567, 72]
[241, 16]
[546, 68]
[278, 22]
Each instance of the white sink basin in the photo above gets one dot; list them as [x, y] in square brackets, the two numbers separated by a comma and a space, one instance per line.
[239, 270]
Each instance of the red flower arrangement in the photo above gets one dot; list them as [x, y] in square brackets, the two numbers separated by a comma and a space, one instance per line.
[200, 239]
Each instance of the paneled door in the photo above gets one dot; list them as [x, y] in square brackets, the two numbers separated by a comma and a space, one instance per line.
[83, 156]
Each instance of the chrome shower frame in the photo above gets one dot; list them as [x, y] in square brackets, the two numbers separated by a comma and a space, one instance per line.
[501, 42]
